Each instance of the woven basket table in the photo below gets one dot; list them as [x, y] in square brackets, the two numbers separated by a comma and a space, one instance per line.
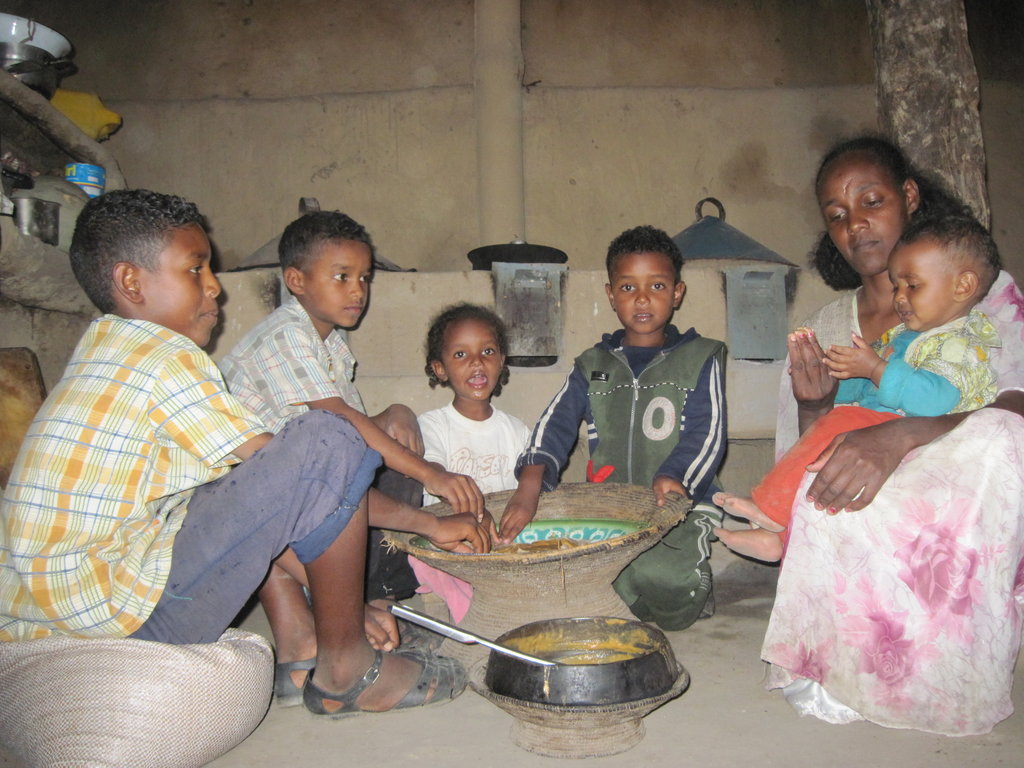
[576, 731]
[512, 589]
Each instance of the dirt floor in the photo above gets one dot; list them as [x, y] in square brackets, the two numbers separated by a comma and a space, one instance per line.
[726, 718]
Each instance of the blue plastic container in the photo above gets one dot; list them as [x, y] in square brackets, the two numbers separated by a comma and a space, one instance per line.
[91, 178]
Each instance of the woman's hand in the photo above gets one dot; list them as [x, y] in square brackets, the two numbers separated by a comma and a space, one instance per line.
[812, 383]
[813, 388]
[856, 464]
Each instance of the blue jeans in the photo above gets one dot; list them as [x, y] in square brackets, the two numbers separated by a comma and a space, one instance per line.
[299, 491]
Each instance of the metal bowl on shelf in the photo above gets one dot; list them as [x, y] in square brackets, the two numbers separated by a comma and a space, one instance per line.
[36, 55]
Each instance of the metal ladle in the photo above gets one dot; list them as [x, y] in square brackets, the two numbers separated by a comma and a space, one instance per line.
[461, 636]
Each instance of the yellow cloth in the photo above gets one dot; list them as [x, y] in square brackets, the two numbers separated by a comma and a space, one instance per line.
[87, 112]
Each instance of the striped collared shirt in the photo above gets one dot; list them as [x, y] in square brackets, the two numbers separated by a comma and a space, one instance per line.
[282, 364]
[140, 419]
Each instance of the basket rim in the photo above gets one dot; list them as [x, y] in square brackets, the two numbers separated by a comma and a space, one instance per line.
[663, 518]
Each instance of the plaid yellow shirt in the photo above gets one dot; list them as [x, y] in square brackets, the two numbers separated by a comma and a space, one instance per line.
[139, 420]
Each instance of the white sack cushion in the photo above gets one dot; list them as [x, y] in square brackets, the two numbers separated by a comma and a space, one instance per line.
[122, 702]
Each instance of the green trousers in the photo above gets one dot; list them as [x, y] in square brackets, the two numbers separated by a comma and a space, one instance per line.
[670, 583]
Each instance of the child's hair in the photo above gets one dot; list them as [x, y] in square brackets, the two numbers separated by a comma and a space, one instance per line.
[456, 314]
[964, 241]
[302, 237]
[131, 225]
[644, 239]
[934, 201]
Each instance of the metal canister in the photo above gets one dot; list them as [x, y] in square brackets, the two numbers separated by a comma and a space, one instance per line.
[91, 178]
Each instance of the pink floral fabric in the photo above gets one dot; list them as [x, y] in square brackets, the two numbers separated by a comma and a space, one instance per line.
[910, 610]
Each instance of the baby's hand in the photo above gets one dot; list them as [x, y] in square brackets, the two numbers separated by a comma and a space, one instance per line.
[857, 362]
[519, 511]
[460, 491]
[664, 485]
[461, 533]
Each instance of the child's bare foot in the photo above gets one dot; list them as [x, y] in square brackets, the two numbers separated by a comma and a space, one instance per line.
[739, 506]
[757, 543]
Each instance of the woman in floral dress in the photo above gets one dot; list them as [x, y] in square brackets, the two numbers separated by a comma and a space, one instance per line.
[900, 601]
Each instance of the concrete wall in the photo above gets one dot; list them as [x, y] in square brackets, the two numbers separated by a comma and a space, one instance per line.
[631, 113]
[389, 345]
[51, 335]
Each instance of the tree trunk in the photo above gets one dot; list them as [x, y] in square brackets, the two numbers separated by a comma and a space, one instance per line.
[927, 91]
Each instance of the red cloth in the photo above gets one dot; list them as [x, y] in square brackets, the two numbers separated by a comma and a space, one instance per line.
[775, 493]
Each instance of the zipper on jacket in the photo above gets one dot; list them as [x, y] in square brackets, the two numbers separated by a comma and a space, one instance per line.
[619, 355]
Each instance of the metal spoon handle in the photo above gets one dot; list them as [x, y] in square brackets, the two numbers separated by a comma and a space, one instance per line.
[461, 636]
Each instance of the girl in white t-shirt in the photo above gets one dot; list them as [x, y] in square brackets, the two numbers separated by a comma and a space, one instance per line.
[466, 350]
